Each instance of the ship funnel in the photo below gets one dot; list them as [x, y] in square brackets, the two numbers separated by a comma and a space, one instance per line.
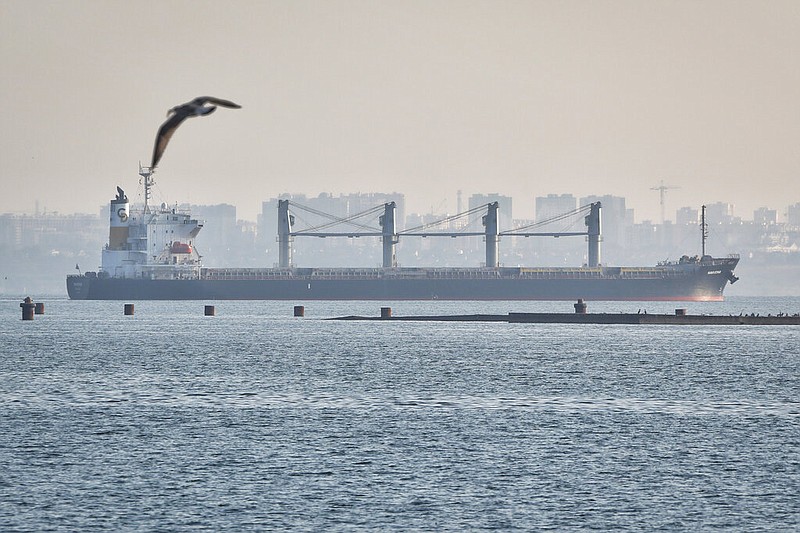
[119, 211]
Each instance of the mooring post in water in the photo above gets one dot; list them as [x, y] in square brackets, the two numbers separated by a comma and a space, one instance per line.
[580, 307]
[386, 312]
[210, 311]
[27, 308]
[39, 309]
[299, 310]
[128, 309]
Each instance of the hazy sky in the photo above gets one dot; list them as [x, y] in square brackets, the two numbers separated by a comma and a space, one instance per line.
[523, 98]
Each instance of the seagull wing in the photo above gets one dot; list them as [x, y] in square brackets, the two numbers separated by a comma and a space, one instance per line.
[181, 113]
[200, 100]
[164, 134]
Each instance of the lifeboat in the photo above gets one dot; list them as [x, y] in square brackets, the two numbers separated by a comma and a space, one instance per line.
[180, 248]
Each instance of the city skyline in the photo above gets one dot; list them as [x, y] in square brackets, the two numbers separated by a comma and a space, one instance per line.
[528, 211]
[517, 98]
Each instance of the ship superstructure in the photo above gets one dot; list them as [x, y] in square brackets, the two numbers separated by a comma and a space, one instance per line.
[151, 242]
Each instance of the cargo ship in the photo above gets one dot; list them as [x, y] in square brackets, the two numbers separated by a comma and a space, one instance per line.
[151, 255]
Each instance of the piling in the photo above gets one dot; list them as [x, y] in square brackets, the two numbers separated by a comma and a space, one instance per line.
[299, 310]
[27, 308]
[580, 307]
[128, 309]
[680, 312]
[39, 309]
[210, 311]
[386, 312]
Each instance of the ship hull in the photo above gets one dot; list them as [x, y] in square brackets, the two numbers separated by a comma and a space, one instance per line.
[688, 284]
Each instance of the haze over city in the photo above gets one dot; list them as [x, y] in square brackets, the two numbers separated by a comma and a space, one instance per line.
[427, 98]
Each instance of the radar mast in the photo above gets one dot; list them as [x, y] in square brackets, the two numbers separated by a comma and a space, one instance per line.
[149, 181]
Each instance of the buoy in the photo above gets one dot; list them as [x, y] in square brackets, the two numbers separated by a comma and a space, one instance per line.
[386, 312]
[299, 310]
[27, 308]
[128, 309]
[39, 309]
[210, 311]
[580, 307]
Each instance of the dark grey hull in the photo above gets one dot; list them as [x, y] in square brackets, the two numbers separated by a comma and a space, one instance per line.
[678, 283]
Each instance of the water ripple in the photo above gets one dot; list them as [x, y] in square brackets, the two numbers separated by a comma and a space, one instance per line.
[741, 407]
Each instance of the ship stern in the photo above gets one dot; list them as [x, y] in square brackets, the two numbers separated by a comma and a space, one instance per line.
[78, 286]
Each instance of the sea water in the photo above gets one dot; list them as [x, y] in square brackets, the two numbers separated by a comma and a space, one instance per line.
[257, 420]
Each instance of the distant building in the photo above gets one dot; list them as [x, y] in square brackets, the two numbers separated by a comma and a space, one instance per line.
[765, 216]
[645, 239]
[554, 204]
[684, 237]
[216, 241]
[613, 216]
[793, 215]
[505, 213]
[687, 216]
[719, 213]
[51, 230]
[547, 251]
[37, 251]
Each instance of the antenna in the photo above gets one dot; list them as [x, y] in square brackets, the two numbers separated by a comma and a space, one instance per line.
[149, 181]
[663, 190]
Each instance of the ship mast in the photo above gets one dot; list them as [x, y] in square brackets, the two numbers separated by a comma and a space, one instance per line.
[703, 229]
[149, 181]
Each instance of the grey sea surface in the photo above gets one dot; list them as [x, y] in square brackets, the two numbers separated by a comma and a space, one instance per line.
[253, 419]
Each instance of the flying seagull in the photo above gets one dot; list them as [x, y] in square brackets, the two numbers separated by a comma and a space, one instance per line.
[195, 108]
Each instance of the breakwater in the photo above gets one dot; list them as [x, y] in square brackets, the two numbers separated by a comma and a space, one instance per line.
[601, 318]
